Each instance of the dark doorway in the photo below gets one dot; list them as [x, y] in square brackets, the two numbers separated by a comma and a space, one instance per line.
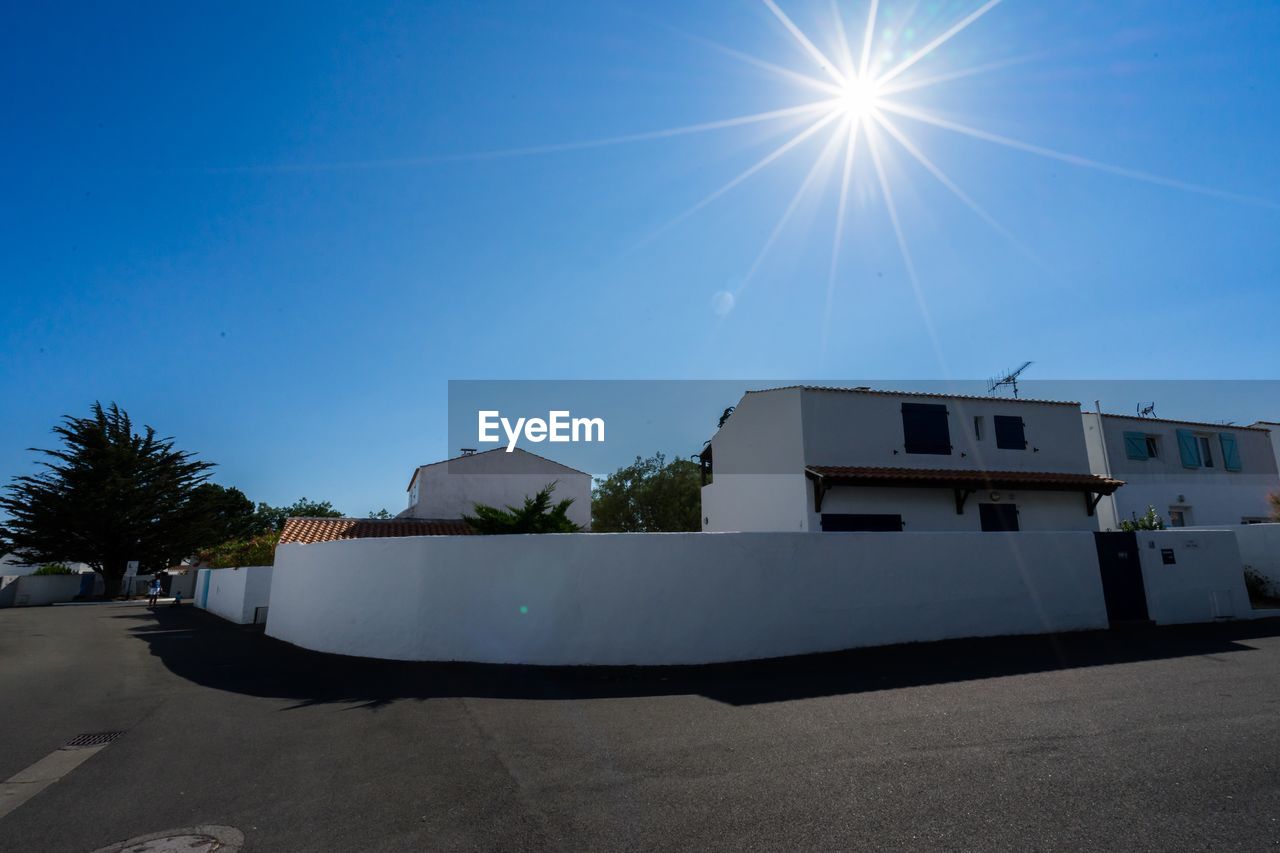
[998, 518]
[845, 522]
[1121, 577]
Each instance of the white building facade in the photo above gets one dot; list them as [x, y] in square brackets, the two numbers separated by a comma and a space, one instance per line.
[451, 488]
[857, 459]
[1193, 473]
[1273, 430]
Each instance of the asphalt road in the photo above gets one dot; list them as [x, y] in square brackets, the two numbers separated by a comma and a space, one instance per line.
[1151, 739]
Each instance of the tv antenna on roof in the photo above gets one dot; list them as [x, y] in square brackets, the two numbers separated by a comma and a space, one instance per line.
[1146, 410]
[1010, 379]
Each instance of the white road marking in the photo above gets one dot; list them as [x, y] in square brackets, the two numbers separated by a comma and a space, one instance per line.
[25, 784]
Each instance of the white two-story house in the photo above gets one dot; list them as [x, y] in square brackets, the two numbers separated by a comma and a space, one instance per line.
[855, 459]
[451, 488]
[1193, 473]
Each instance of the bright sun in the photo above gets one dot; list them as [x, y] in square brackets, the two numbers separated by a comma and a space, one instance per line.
[859, 97]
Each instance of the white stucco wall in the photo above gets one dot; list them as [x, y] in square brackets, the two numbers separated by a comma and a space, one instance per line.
[33, 591]
[1206, 582]
[234, 594]
[1211, 495]
[1273, 432]
[866, 430]
[758, 482]
[1259, 546]
[183, 583]
[452, 488]
[935, 509]
[756, 502]
[675, 598]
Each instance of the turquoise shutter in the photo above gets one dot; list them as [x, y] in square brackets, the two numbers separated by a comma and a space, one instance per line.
[1230, 451]
[1188, 449]
[1135, 445]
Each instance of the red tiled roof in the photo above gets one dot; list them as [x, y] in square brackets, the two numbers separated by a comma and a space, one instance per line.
[308, 530]
[961, 479]
[1140, 419]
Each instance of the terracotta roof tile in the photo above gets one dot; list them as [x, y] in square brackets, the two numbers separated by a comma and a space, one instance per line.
[308, 530]
[1141, 420]
[960, 478]
[886, 392]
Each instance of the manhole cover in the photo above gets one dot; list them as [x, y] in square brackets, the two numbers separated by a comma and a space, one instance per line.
[190, 839]
[94, 739]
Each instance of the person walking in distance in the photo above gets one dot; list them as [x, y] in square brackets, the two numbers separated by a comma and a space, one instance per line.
[153, 594]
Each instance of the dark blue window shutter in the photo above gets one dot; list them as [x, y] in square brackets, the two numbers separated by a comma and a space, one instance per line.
[1011, 432]
[1135, 445]
[1230, 451]
[1188, 449]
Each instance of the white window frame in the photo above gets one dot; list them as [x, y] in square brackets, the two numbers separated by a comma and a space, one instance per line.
[1205, 443]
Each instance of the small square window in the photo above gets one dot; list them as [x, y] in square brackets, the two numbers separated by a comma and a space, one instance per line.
[925, 429]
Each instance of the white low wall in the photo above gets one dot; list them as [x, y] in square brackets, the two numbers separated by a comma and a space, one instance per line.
[1206, 581]
[676, 598]
[235, 594]
[183, 583]
[1260, 550]
[36, 590]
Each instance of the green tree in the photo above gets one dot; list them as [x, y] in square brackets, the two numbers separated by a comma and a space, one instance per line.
[108, 495]
[382, 513]
[537, 515]
[53, 569]
[273, 517]
[227, 514]
[1149, 520]
[649, 496]
[256, 550]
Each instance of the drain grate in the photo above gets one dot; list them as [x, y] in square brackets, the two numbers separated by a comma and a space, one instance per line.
[94, 739]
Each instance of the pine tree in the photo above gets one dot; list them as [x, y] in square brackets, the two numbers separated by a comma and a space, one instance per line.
[106, 497]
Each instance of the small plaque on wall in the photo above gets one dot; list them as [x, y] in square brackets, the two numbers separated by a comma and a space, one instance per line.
[1166, 554]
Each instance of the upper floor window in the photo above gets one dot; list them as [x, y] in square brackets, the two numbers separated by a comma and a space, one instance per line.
[1206, 451]
[1011, 433]
[1141, 445]
[1197, 450]
[925, 428]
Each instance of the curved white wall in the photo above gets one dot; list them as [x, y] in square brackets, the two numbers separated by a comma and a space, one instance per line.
[676, 598]
[235, 594]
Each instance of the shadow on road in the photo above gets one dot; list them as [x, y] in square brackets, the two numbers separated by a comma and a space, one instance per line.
[217, 654]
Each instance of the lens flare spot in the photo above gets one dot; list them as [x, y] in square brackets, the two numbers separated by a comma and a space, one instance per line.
[722, 303]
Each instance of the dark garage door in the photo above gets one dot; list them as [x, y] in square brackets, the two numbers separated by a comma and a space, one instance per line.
[1122, 585]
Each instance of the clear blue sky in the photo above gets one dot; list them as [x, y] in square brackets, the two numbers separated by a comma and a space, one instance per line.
[250, 226]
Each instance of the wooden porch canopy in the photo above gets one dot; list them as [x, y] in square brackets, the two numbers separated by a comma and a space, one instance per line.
[964, 483]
